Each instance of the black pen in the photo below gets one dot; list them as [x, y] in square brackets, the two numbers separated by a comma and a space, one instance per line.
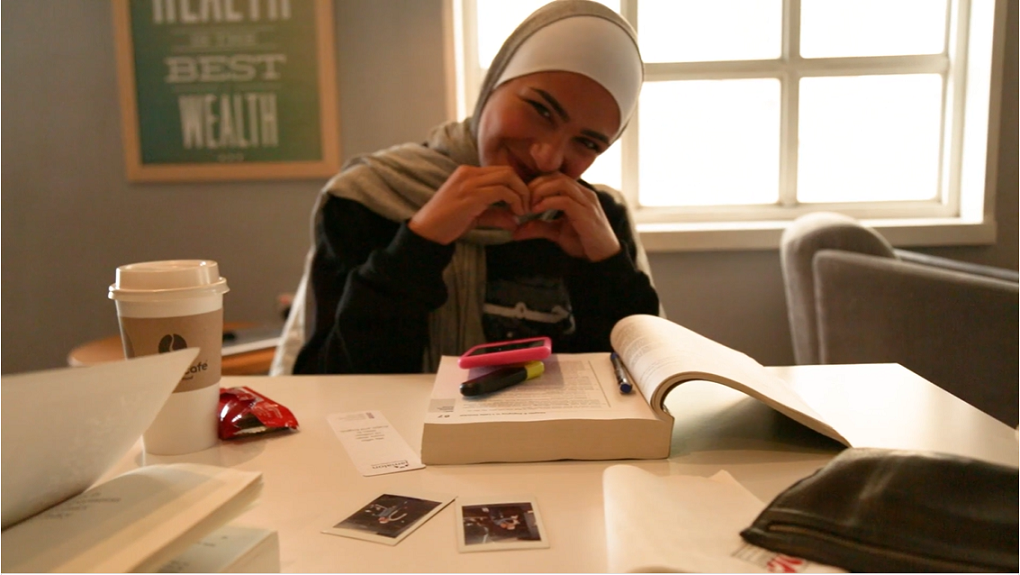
[502, 378]
[621, 373]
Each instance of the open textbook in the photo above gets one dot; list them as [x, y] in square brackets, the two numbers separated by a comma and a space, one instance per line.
[685, 523]
[137, 521]
[64, 429]
[575, 410]
[230, 549]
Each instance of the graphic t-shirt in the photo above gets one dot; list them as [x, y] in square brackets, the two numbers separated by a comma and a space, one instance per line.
[525, 294]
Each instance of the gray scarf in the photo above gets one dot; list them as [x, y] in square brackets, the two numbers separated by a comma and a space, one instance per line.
[395, 183]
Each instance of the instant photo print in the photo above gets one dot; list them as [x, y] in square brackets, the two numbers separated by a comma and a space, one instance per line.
[389, 518]
[499, 523]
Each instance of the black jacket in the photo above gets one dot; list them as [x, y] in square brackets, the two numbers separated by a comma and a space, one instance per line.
[374, 282]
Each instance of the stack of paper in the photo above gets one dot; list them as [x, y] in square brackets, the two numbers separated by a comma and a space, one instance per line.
[685, 523]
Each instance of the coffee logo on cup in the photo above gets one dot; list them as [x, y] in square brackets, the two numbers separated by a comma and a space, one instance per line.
[157, 335]
[172, 342]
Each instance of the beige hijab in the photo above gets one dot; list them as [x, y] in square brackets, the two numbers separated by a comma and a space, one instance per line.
[397, 182]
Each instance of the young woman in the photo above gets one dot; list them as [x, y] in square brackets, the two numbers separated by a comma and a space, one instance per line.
[485, 232]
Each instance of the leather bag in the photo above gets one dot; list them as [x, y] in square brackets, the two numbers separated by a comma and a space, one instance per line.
[894, 511]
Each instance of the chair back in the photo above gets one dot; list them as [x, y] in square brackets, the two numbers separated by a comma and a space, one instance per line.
[853, 299]
[800, 242]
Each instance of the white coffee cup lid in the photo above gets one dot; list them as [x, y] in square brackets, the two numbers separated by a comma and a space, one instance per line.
[147, 281]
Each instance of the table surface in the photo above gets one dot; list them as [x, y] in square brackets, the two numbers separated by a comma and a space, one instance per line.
[310, 483]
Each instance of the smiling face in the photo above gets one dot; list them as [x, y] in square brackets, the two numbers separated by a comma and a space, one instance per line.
[547, 122]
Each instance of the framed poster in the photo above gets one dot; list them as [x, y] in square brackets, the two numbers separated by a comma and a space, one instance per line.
[227, 89]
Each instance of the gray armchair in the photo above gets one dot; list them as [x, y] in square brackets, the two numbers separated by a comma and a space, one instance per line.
[852, 298]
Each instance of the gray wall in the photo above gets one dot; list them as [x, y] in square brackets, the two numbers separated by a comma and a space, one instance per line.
[70, 217]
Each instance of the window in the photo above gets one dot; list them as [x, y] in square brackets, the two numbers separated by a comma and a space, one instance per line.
[756, 111]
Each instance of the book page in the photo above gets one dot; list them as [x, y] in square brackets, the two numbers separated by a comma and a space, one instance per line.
[574, 386]
[64, 428]
[137, 520]
[230, 549]
[660, 354]
[685, 523]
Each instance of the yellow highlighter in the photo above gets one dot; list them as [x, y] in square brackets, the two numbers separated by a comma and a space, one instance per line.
[502, 378]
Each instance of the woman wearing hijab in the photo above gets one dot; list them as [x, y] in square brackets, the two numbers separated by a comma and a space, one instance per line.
[485, 232]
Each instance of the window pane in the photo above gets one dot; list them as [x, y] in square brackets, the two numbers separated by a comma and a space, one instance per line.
[869, 138]
[700, 31]
[709, 142]
[832, 28]
[498, 18]
[607, 169]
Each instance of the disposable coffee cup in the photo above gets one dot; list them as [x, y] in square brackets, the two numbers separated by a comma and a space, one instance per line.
[168, 305]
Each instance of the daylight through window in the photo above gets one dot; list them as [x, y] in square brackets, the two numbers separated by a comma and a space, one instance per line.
[759, 110]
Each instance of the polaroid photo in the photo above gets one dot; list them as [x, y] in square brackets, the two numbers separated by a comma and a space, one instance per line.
[389, 518]
[499, 523]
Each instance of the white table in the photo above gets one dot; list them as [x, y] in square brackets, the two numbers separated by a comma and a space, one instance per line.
[311, 484]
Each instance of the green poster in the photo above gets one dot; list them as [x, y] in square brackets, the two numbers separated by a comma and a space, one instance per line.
[220, 82]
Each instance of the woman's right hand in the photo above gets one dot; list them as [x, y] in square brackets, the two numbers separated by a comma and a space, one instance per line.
[467, 200]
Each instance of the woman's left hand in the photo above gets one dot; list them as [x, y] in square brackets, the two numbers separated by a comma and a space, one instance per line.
[582, 231]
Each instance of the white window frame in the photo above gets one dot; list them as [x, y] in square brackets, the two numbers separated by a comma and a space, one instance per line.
[964, 213]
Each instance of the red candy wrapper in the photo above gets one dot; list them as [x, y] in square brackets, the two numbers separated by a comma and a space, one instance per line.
[245, 412]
